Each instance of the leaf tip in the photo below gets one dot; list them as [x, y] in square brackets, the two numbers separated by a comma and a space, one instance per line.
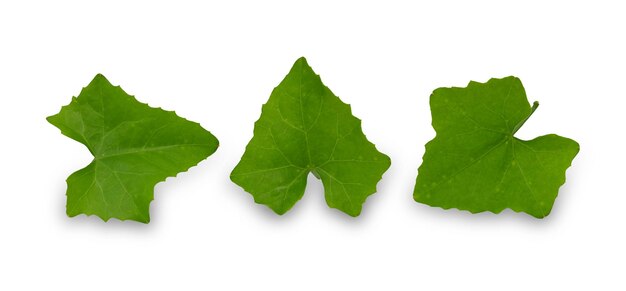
[99, 78]
[50, 119]
[280, 211]
[355, 213]
[301, 63]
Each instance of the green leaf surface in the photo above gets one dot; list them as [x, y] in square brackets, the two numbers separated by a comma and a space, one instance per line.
[134, 147]
[476, 163]
[304, 128]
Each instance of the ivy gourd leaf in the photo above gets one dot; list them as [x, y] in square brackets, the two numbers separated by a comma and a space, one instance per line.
[134, 147]
[304, 128]
[476, 163]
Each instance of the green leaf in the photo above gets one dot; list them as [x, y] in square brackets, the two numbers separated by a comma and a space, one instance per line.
[305, 128]
[134, 147]
[476, 163]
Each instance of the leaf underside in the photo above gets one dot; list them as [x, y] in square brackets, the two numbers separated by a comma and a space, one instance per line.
[476, 163]
[134, 147]
[304, 128]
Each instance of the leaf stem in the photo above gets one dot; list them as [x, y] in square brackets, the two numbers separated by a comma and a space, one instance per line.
[315, 173]
[521, 123]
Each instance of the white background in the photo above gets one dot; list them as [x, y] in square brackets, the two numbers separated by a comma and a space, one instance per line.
[217, 64]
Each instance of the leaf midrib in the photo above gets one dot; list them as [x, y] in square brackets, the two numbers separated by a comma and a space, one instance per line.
[145, 150]
[499, 143]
